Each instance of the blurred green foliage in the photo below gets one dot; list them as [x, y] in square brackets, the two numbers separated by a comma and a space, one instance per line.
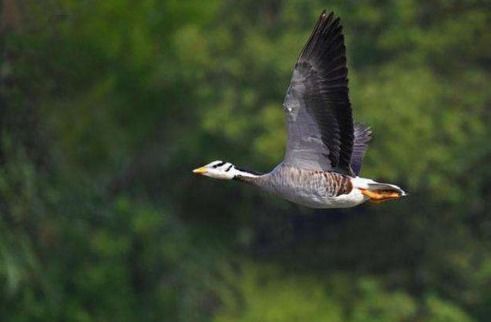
[106, 106]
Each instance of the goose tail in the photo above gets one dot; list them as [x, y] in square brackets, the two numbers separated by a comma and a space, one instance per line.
[376, 191]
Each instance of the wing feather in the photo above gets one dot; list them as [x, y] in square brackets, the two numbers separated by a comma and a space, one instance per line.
[363, 135]
[319, 117]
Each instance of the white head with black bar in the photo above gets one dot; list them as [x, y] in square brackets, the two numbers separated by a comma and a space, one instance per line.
[222, 170]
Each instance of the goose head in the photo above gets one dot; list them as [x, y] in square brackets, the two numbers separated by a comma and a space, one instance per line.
[218, 170]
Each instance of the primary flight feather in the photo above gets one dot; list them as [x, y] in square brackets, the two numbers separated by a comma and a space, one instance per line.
[325, 148]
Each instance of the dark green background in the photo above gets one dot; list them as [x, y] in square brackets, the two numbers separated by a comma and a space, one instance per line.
[107, 106]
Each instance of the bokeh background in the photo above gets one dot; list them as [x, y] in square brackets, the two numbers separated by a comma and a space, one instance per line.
[107, 106]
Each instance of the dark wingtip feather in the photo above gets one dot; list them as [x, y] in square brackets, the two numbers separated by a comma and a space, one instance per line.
[324, 23]
[324, 14]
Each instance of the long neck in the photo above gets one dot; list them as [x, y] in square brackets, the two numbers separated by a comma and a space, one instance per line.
[247, 176]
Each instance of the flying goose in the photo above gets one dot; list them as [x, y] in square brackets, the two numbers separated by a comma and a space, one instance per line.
[325, 148]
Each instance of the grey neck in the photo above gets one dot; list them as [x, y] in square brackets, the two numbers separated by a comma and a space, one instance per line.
[251, 177]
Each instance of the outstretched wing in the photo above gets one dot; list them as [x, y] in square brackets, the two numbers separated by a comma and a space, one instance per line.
[363, 135]
[319, 117]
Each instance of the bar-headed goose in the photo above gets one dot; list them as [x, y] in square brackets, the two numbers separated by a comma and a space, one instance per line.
[325, 148]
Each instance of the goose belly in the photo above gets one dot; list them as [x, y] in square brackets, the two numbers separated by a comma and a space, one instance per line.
[315, 189]
[322, 201]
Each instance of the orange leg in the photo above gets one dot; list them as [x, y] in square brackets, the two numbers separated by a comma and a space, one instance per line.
[378, 196]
